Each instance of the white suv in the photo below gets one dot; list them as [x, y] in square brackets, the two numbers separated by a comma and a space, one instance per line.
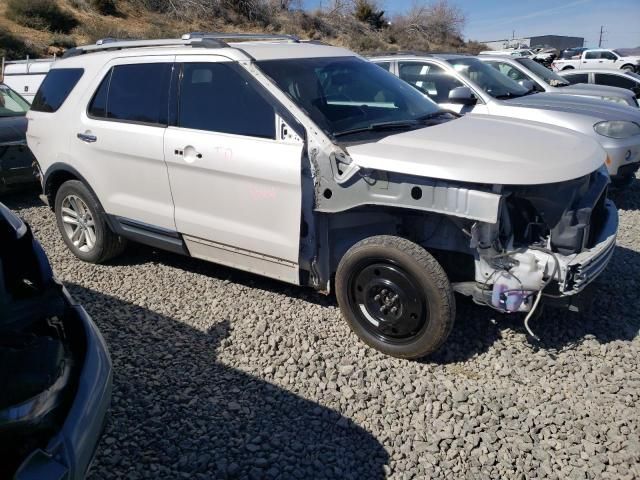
[306, 163]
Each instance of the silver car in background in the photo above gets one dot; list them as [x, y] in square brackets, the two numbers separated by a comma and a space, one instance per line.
[465, 84]
[614, 78]
[533, 75]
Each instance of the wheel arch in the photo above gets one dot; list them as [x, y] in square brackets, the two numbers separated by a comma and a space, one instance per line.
[56, 175]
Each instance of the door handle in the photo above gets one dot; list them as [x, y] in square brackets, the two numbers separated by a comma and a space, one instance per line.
[188, 153]
[87, 137]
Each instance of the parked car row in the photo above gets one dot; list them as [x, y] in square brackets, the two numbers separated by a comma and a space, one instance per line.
[469, 85]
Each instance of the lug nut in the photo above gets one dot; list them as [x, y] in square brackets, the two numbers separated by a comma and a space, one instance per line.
[394, 310]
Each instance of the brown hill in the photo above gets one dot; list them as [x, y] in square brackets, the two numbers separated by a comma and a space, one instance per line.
[44, 27]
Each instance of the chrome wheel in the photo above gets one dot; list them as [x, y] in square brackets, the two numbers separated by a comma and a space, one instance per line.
[78, 222]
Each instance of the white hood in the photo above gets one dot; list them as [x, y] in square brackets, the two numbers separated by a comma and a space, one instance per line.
[483, 149]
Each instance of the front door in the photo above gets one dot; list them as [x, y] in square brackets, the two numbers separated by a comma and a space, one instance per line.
[236, 185]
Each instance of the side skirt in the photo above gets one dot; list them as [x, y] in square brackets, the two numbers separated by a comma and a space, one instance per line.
[148, 234]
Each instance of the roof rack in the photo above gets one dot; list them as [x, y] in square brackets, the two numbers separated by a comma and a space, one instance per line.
[118, 44]
[396, 53]
[239, 36]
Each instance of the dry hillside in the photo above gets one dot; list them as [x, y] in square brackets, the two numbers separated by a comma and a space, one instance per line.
[44, 27]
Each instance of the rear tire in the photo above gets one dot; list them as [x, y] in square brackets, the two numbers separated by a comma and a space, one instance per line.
[395, 296]
[83, 224]
[568, 68]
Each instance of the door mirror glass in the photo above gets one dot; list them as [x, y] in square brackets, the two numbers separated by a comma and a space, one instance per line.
[462, 96]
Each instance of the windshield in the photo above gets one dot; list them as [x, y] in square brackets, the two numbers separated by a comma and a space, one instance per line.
[345, 94]
[11, 104]
[488, 78]
[551, 78]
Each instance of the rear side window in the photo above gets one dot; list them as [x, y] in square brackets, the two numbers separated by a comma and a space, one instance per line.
[614, 80]
[577, 77]
[385, 65]
[217, 98]
[55, 89]
[134, 93]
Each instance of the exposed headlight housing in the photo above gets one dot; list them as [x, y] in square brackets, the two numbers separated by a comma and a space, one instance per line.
[615, 100]
[617, 128]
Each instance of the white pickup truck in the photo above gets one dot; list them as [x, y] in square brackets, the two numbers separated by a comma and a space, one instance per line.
[598, 58]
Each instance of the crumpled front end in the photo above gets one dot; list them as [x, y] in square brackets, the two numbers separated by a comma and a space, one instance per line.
[551, 240]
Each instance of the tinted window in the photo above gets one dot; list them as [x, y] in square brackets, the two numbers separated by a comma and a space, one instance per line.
[614, 80]
[429, 79]
[608, 56]
[591, 55]
[139, 93]
[55, 89]
[577, 77]
[385, 65]
[218, 98]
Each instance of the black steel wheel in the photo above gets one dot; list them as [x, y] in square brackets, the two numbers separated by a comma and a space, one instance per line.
[395, 296]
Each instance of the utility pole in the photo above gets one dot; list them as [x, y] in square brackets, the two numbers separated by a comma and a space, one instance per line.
[600, 41]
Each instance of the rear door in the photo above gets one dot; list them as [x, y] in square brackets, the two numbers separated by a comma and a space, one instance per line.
[119, 139]
[235, 170]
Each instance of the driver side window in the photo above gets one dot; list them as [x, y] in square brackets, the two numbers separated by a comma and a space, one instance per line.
[430, 79]
[509, 71]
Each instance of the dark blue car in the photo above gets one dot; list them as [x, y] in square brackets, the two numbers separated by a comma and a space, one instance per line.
[55, 370]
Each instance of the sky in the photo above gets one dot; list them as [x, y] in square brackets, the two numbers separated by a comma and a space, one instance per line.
[497, 19]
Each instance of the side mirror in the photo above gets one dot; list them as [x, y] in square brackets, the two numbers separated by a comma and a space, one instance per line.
[462, 96]
[528, 84]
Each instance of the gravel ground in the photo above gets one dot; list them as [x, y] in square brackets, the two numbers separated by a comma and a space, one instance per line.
[221, 374]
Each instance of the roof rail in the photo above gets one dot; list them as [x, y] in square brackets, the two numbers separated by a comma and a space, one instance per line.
[240, 36]
[395, 53]
[117, 44]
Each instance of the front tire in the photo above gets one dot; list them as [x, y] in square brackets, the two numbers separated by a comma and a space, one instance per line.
[395, 296]
[83, 224]
[628, 68]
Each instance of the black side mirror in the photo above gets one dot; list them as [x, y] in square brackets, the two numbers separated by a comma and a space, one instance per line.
[462, 96]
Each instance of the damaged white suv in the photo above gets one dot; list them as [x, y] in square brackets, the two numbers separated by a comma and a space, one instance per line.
[306, 163]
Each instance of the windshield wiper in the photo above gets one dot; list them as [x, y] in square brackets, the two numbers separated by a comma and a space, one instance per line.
[438, 113]
[379, 127]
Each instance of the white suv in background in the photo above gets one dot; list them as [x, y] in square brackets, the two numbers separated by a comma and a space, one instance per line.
[306, 163]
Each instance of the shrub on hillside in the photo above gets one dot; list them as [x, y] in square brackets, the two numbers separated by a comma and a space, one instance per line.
[105, 7]
[366, 11]
[13, 48]
[41, 15]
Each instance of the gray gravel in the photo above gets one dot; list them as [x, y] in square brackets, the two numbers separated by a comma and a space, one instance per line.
[221, 374]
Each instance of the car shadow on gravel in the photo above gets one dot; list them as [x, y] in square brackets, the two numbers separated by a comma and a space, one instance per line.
[177, 412]
[627, 198]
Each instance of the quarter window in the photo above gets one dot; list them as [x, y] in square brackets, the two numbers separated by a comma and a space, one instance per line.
[218, 98]
[55, 89]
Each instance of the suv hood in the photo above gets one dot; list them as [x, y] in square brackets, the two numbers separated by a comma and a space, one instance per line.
[593, 107]
[484, 149]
